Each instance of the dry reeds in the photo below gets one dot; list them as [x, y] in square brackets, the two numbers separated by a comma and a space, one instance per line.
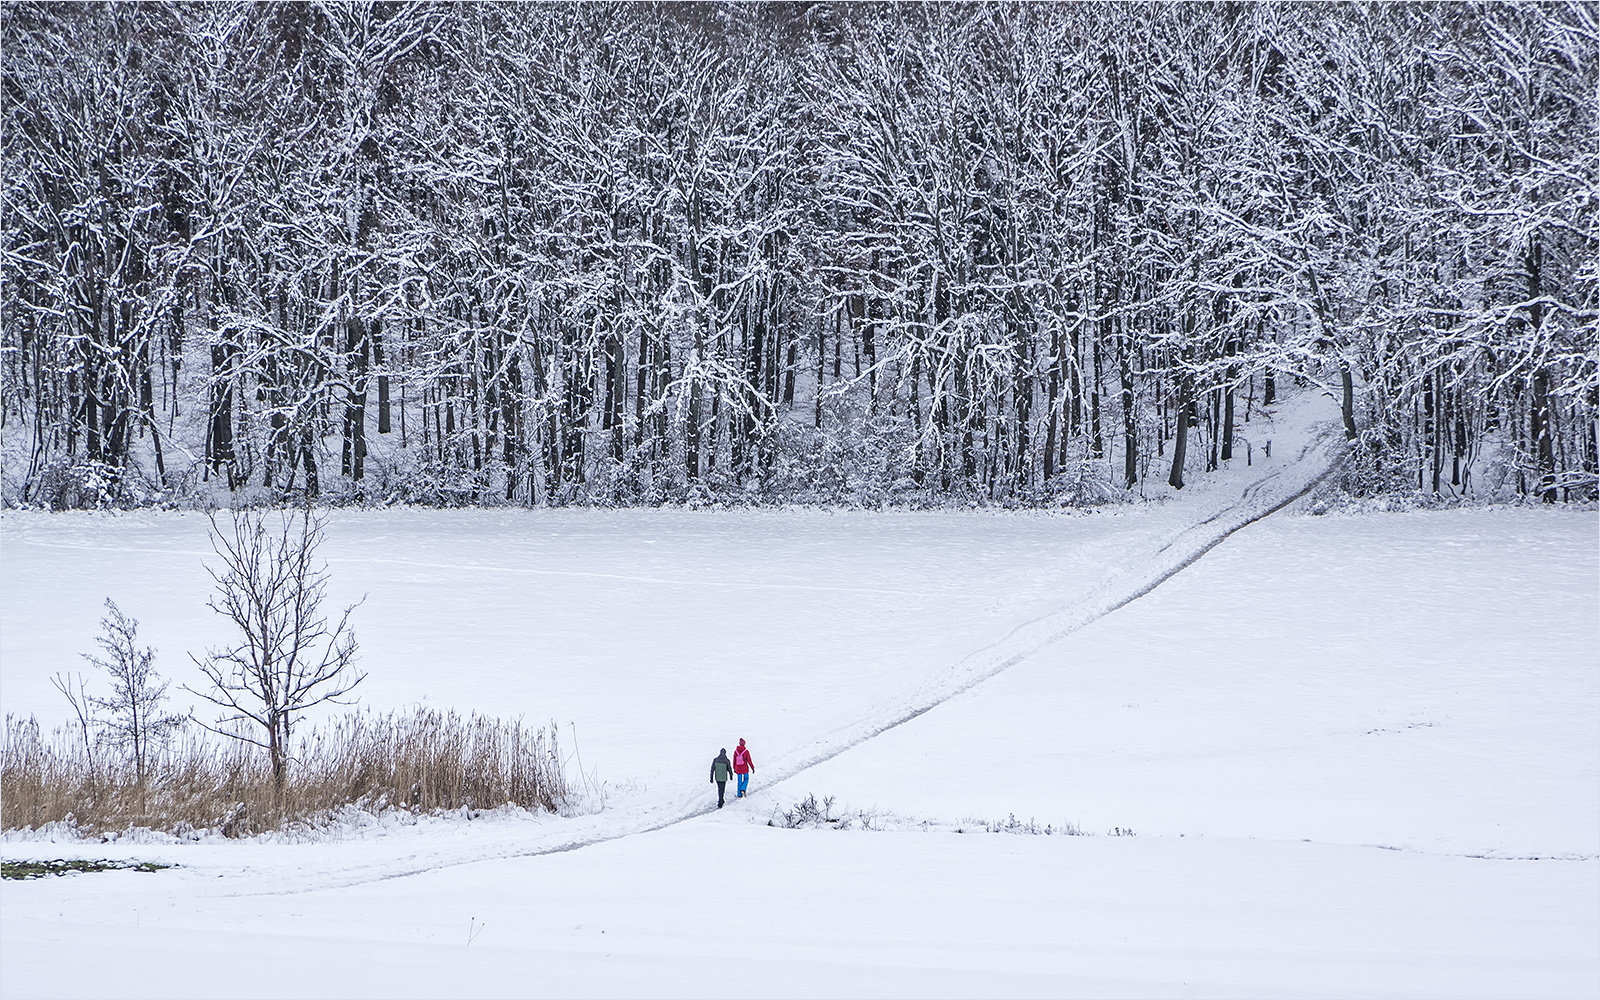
[421, 761]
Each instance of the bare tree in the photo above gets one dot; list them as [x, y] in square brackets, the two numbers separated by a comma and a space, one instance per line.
[290, 658]
[78, 697]
[133, 721]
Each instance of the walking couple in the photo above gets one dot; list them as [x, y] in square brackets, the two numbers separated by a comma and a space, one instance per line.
[741, 765]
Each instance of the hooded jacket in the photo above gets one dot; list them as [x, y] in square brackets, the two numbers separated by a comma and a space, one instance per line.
[742, 764]
[721, 767]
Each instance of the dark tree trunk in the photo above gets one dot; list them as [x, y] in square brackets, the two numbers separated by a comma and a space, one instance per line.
[616, 394]
[1211, 430]
[789, 369]
[1544, 451]
[1094, 404]
[384, 422]
[512, 430]
[1347, 406]
[1052, 392]
[1543, 433]
[1130, 427]
[919, 470]
[1227, 416]
[822, 368]
[221, 409]
[1180, 441]
[1022, 408]
[869, 347]
[691, 434]
[357, 350]
[308, 462]
[965, 414]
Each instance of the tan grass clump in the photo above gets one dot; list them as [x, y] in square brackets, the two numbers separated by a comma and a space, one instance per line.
[421, 761]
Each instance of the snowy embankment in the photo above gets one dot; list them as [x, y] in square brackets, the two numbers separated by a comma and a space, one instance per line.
[1312, 691]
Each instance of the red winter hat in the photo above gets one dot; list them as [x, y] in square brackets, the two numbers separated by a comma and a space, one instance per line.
[741, 742]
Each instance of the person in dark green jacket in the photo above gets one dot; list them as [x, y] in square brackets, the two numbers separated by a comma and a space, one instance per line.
[721, 769]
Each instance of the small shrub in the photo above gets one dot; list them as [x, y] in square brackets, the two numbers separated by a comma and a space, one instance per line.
[131, 720]
[1032, 828]
[811, 814]
[808, 813]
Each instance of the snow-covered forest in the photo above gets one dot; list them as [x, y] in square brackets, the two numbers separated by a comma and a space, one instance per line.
[632, 253]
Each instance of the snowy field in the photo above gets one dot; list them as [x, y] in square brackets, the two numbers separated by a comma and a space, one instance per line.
[1360, 756]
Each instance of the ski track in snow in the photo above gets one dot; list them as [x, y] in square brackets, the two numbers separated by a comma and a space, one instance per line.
[647, 813]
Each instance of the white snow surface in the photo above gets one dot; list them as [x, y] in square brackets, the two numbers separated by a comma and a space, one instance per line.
[1360, 754]
[1422, 680]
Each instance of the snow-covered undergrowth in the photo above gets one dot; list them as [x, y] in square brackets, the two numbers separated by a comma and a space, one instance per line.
[810, 813]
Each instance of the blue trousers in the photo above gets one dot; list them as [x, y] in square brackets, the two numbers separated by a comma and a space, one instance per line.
[744, 783]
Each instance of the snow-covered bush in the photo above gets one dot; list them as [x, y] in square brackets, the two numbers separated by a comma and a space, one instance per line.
[811, 814]
[808, 813]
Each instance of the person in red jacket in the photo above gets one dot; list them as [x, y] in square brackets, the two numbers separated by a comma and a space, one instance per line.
[744, 767]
